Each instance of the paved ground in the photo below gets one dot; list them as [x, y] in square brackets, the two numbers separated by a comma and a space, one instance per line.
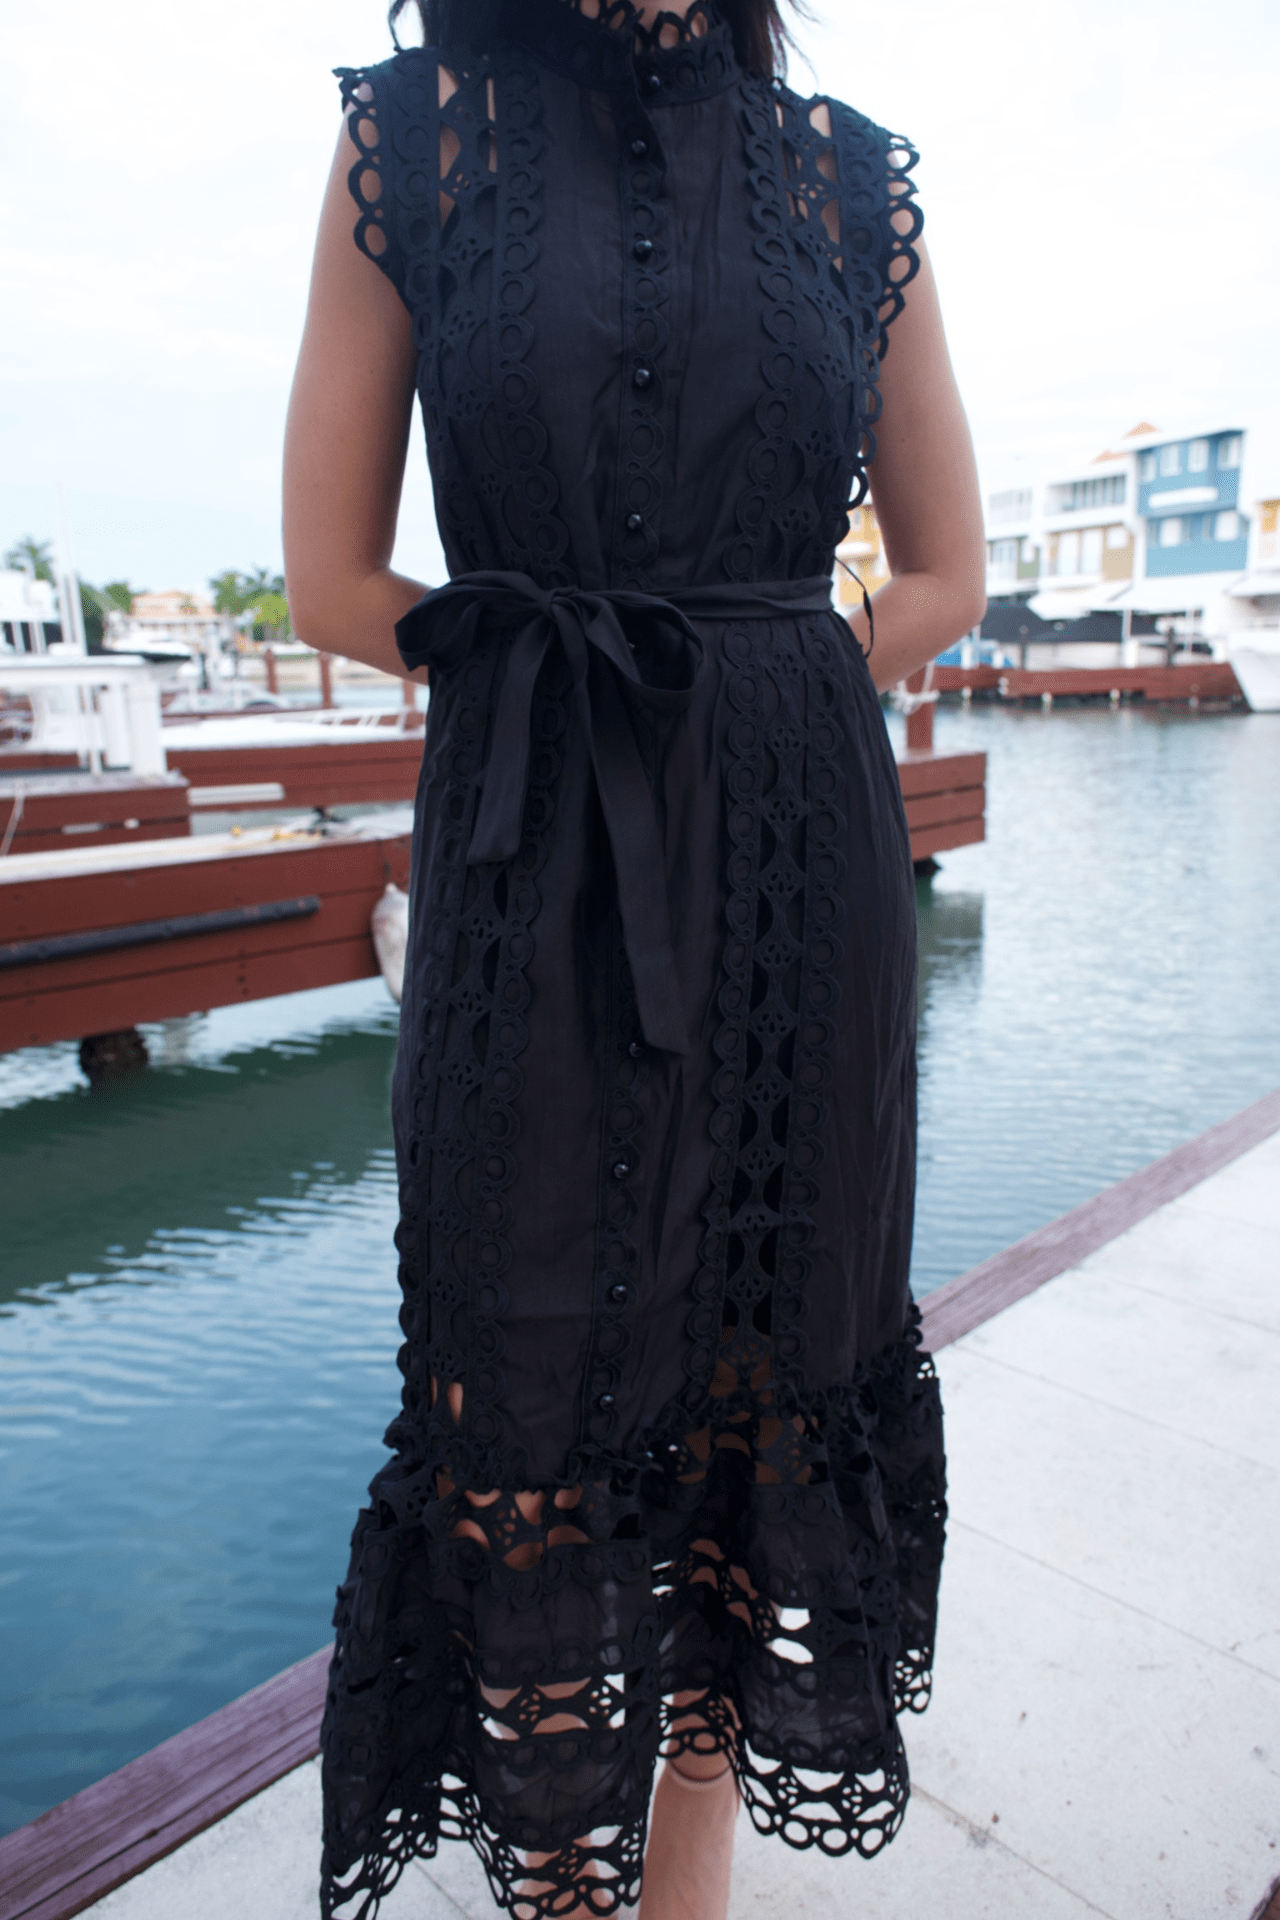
[1105, 1734]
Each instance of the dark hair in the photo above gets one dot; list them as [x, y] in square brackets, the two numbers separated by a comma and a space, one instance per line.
[760, 37]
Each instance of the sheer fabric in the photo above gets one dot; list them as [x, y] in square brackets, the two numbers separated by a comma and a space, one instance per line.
[666, 1428]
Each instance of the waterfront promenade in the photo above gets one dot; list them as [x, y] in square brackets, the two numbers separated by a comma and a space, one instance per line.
[1105, 1733]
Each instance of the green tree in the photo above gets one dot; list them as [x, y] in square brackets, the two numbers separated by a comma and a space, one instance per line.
[232, 593]
[33, 555]
[271, 613]
[97, 603]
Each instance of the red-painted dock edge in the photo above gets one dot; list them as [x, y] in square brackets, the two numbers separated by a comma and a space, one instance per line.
[78, 1851]
[1214, 680]
[103, 992]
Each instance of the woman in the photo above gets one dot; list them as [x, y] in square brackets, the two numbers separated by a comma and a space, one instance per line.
[668, 1474]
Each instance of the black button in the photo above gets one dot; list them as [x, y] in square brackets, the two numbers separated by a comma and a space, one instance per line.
[634, 522]
[606, 1401]
[652, 83]
[642, 249]
[636, 1049]
[641, 377]
[618, 1294]
[639, 148]
[621, 1168]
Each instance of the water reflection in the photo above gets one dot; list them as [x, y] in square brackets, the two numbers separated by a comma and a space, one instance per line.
[950, 935]
[92, 1177]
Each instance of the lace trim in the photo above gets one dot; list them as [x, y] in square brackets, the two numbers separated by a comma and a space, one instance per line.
[524, 1708]
[876, 193]
[471, 1032]
[777, 513]
[368, 180]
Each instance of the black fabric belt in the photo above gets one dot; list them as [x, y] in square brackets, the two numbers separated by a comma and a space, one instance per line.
[607, 636]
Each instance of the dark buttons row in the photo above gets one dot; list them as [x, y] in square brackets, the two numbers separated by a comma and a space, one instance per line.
[635, 522]
[642, 249]
[641, 376]
[621, 1168]
[639, 148]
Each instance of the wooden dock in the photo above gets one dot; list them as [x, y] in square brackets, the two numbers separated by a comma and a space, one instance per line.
[101, 940]
[945, 795]
[1207, 680]
[102, 933]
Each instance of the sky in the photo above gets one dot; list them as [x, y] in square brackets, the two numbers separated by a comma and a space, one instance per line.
[1098, 180]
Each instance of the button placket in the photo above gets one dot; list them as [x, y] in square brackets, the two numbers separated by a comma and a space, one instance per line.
[618, 1221]
[644, 292]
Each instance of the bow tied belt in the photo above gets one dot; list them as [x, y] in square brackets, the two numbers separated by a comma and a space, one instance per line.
[610, 639]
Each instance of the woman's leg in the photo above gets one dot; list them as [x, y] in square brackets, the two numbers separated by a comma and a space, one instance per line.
[689, 1857]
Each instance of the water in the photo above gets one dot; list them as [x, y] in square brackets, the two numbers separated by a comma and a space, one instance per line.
[197, 1317]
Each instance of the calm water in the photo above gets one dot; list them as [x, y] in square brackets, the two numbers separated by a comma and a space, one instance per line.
[197, 1313]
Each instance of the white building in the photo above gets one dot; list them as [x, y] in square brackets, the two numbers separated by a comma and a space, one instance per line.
[1174, 532]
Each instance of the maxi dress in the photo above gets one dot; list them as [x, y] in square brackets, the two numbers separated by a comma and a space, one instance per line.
[666, 1427]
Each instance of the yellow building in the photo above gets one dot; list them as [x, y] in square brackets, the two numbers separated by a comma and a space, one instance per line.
[862, 552]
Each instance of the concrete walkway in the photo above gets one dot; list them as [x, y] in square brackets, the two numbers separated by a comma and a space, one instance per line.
[1105, 1733]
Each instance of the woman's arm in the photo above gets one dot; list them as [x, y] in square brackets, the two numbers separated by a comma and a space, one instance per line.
[924, 487]
[345, 443]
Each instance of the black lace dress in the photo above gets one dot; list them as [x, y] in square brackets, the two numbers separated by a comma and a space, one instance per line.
[666, 1427]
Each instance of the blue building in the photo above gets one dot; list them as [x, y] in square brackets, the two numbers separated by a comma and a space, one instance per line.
[1189, 498]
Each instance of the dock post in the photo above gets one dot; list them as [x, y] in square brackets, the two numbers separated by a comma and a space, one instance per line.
[919, 719]
[273, 677]
[326, 679]
[112, 1056]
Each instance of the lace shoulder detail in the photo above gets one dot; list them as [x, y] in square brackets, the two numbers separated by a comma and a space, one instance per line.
[396, 125]
[880, 218]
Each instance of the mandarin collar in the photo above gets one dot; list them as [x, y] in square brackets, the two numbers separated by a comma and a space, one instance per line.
[614, 51]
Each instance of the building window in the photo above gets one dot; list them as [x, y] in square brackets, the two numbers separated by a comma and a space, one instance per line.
[1170, 531]
[1147, 467]
[1091, 550]
[1004, 557]
[1170, 462]
[1226, 526]
[1117, 537]
[1198, 456]
[1229, 449]
[1073, 496]
[1013, 504]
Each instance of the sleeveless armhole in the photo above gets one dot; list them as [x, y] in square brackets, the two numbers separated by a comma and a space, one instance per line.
[880, 219]
[391, 117]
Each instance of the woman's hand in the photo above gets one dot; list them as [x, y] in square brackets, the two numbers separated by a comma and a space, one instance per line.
[924, 486]
[345, 444]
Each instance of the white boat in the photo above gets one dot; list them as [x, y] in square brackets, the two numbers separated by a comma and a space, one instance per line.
[1254, 653]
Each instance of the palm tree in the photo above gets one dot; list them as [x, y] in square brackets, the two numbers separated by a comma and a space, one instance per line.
[32, 556]
[98, 603]
[271, 612]
[231, 593]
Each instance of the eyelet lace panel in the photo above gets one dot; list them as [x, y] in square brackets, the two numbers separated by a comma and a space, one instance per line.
[468, 278]
[879, 215]
[458, 1081]
[374, 230]
[761, 1565]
